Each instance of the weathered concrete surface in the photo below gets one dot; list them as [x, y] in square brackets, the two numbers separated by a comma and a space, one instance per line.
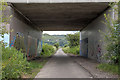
[91, 37]
[57, 1]
[62, 66]
[31, 36]
[61, 16]
[91, 66]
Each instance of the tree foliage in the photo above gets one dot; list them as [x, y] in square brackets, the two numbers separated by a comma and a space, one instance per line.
[73, 39]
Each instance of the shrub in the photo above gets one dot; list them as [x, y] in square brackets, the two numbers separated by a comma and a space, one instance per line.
[73, 50]
[55, 49]
[47, 50]
[13, 63]
[66, 49]
[65, 45]
[56, 45]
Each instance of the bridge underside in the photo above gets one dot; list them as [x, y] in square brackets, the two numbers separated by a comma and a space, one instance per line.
[86, 17]
[61, 16]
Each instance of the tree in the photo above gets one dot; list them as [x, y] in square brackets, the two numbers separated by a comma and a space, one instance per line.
[73, 39]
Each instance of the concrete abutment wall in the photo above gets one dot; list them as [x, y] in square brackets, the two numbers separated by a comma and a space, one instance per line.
[92, 42]
[31, 38]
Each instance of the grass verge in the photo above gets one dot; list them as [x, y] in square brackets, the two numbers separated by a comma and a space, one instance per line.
[35, 66]
[112, 68]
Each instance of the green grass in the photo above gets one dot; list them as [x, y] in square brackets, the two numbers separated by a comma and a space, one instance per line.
[109, 68]
[35, 66]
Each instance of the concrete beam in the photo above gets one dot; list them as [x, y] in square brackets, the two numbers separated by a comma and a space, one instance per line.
[58, 16]
[57, 1]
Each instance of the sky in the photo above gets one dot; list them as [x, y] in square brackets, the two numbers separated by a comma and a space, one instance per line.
[6, 39]
[59, 32]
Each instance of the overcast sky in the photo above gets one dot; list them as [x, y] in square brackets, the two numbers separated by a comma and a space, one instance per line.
[59, 32]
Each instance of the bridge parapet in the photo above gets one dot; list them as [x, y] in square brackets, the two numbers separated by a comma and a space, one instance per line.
[58, 1]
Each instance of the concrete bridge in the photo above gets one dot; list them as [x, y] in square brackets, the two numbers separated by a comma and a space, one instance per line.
[31, 17]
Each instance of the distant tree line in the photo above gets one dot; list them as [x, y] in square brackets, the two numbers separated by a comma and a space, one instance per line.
[53, 39]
